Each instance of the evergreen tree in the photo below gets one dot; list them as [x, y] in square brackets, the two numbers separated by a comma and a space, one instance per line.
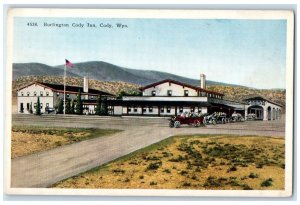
[38, 107]
[72, 106]
[60, 108]
[104, 107]
[79, 108]
[98, 108]
[30, 108]
[68, 106]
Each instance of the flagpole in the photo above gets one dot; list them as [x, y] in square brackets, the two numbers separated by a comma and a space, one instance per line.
[65, 73]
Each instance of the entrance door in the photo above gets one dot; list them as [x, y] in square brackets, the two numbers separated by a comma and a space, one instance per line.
[21, 107]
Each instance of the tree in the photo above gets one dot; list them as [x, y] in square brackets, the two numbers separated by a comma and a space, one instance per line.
[68, 106]
[79, 108]
[104, 107]
[30, 108]
[98, 108]
[38, 107]
[72, 106]
[60, 108]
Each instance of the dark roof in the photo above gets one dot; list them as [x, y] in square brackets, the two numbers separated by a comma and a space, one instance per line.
[262, 98]
[182, 84]
[69, 89]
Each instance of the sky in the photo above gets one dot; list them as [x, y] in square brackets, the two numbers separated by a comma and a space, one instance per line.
[245, 52]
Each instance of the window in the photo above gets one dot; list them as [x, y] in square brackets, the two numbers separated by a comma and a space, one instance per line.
[34, 105]
[27, 106]
[22, 94]
[186, 93]
[68, 95]
[203, 94]
[135, 109]
[92, 97]
[41, 93]
[28, 93]
[192, 109]
[180, 109]
[168, 109]
[199, 110]
[57, 94]
[34, 93]
[150, 109]
[41, 105]
[153, 92]
[129, 109]
[47, 104]
[144, 109]
[47, 93]
[162, 109]
[169, 92]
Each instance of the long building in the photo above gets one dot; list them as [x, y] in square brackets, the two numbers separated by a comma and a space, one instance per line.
[164, 98]
[169, 97]
[50, 95]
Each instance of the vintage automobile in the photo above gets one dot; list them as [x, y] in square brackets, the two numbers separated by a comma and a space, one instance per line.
[251, 116]
[50, 110]
[236, 117]
[216, 117]
[186, 118]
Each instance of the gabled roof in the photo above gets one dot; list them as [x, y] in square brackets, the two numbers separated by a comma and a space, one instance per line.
[262, 98]
[69, 89]
[181, 84]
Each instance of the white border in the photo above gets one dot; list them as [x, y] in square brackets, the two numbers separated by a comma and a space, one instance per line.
[162, 14]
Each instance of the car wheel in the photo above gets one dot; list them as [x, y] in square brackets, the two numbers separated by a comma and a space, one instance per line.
[176, 124]
[214, 122]
[197, 123]
[171, 124]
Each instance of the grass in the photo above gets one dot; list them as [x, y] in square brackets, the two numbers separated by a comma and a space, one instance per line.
[218, 162]
[31, 139]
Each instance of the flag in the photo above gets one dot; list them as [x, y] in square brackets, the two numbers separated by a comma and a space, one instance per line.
[69, 64]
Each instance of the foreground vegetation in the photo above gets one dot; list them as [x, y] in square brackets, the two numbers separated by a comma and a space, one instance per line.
[193, 162]
[31, 139]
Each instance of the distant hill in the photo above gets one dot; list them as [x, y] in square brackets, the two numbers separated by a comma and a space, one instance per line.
[36, 69]
[99, 70]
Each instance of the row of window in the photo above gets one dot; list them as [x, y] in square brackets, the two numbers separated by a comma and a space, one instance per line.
[186, 93]
[35, 93]
[169, 93]
[162, 109]
[34, 105]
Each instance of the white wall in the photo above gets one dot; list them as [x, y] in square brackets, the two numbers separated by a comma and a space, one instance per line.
[33, 99]
[162, 90]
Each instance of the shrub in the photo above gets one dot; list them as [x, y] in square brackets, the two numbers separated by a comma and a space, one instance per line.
[267, 183]
[253, 175]
[167, 171]
[154, 166]
[232, 169]
[183, 172]
[246, 187]
[127, 180]
[153, 183]
[186, 184]
[118, 170]
[141, 177]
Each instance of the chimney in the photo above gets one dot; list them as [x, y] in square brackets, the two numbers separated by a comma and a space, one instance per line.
[85, 84]
[202, 81]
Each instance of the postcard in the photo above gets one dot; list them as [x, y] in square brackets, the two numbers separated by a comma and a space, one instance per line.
[120, 102]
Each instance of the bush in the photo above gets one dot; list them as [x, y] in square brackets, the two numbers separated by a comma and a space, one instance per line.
[153, 183]
[186, 184]
[253, 175]
[154, 166]
[118, 170]
[267, 183]
[232, 169]
[167, 171]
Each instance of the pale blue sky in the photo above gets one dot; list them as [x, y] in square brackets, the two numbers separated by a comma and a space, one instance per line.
[245, 52]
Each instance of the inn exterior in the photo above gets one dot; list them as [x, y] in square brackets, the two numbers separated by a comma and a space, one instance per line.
[50, 94]
[169, 97]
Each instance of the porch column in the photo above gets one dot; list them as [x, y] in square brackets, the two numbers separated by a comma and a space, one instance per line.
[265, 114]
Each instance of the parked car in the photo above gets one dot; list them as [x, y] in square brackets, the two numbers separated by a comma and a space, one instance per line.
[216, 117]
[236, 117]
[50, 109]
[186, 118]
[251, 116]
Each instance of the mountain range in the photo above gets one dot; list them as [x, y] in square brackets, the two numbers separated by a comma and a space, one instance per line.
[103, 71]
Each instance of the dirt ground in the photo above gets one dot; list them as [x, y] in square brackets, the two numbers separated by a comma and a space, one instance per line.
[209, 162]
[27, 140]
